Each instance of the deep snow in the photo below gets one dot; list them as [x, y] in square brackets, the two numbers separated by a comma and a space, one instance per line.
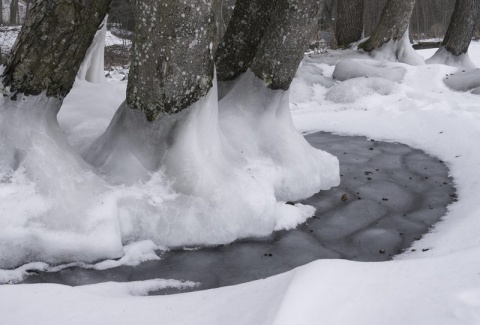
[440, 286]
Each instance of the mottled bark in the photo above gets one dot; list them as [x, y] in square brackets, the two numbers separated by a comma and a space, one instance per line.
[172, 64]
[349, 22]
[52, 45]
[285, 40]
[247, 26]
[392, 25]
[462, 26]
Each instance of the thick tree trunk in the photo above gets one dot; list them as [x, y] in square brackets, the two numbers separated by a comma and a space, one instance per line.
[172, 64]
[462, 26]
[13, 12]
[247, 26]
[349, 22]
[393, 24]
[52, 45]
[285, 40]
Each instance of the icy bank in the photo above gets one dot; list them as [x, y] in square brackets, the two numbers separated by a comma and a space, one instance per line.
[196, 178]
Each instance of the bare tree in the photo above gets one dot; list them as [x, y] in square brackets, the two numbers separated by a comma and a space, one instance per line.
[462, 26]
[393, 24]
[41, 60]
[349, 22]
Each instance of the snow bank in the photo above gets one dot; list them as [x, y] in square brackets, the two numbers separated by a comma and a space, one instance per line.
[442, 56]
[463, 80]
[53, 206]
[354, 68]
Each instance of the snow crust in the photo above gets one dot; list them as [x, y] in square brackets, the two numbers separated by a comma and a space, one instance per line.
[442, 56]
[92, 67]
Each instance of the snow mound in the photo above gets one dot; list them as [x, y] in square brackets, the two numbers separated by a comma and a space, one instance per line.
[53, 207]
[398, 51]
[355, 68]
[442, 56]
[258, 127]
[351, 90]
[464, 80]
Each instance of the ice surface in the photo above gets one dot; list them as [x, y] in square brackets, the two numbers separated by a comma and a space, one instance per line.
[442, 56]
[463, 80]
[379, 217]
[354, 68]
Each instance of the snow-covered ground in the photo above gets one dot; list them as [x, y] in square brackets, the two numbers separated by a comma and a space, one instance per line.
[439, 286]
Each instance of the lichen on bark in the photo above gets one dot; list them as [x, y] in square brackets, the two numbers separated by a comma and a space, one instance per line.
[51, 46]
[172, 64]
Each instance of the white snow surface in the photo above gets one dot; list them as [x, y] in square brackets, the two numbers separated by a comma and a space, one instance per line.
[438, 286]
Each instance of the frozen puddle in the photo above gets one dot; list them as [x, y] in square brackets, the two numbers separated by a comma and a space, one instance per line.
[390, 195]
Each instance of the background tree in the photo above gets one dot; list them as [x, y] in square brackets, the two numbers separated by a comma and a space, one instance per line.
[462, 26]
[349, 22]
[393, 24]
[41, 59]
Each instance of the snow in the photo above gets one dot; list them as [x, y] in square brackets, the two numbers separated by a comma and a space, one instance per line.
[442, 56]
[187, 179]
[438, 286]
[92, 67]
[400, 50]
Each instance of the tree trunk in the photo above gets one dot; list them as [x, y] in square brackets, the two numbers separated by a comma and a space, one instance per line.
[462, 26]
[349, 22]
[393, 24]
[13, 12]
[246, 28]
[285, 40]
[52, 45]
[172, 64]
[1, 16]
